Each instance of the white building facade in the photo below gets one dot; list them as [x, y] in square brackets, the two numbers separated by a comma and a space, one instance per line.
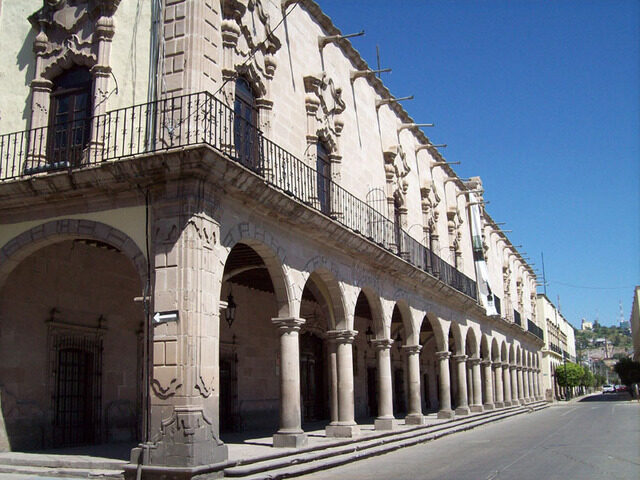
[229, 223]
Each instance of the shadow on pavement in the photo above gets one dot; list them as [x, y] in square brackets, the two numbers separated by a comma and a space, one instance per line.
[608, 397]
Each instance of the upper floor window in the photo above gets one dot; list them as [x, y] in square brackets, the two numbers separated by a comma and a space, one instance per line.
[245, 125]
[323, 180]
[70, 117]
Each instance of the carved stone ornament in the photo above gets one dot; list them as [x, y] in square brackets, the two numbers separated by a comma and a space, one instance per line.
[396, 170]
[324, 104]
[69, 32]
[246, 31]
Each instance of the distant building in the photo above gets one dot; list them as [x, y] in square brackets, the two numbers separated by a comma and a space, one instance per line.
[586, 325]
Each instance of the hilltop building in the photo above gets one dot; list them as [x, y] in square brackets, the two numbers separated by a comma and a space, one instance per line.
[230, 223]
[586, 325]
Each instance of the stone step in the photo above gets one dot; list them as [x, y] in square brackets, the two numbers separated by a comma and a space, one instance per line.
[291, 465]
[62, 472]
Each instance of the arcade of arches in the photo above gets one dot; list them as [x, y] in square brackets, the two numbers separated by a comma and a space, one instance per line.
[338, 362]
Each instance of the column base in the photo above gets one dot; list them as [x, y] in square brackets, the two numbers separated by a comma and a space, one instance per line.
[289, 440]
[476, 408]
[488, 406]
[446, 414]
[385, 423]
[462, 411]
[522, 401]
[342, 431]
[499, 404]
[415, 419]
[507, 403]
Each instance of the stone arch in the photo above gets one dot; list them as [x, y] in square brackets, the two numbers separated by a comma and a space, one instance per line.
[504, 354]
[485, 347]
[432, 321]
[512, 354]
[377, 316]
[407, 322]
[471, 344]
[334, 296]
[495, 350]
[273, 257]
[455, 331]
[29, 241]
[519, 356]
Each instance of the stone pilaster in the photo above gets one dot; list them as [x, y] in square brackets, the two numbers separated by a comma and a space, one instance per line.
[487, 398]
[476, 406]
[290, 433]
[414, 416]
[346, 425]
[445, 385]
[184, 422]
[461, 365]
[385, 419]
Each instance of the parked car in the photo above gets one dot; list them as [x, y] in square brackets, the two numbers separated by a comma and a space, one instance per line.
[621, 388]
[608, 389]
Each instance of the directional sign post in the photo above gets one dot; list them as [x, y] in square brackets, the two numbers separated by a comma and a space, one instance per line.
[164, 317]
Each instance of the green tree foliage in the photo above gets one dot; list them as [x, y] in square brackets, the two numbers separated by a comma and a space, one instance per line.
[628, 371]
[588, 378]
[569, 374]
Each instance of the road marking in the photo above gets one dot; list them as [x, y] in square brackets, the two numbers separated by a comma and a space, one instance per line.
[568, 411]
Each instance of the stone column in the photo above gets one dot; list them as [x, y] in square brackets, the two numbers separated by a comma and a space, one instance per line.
[488, 386]
[463, 405]
[514, 385]
[476, 406]
[290, 433]
[506, 381]
[539, 384]
[346, 425]
[532, 390]
[520, 386]
[385, 420]
[525, 383]
[499, 392]
[414, 415]
[469, 382]
[445, 388]
[333, 380]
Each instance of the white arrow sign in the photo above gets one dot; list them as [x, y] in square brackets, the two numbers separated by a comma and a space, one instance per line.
[163, 317]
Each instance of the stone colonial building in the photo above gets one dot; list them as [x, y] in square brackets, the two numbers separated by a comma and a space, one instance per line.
[214, 217]
[559, 345]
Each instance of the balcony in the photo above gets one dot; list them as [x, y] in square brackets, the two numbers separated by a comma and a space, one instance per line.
[516, 318]
[554, 348]
[200, 118]
[535, 329]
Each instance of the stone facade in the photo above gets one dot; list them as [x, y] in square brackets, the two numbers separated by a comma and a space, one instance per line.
[327, 222]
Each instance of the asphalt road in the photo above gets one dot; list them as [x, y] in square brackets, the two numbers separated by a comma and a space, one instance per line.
[596, 438]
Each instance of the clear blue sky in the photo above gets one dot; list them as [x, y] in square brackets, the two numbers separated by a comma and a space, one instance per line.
[541, 99]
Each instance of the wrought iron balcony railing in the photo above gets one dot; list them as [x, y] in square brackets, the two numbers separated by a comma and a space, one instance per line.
[516, 318]
[554, 348]
[535, 329]
[200, 118]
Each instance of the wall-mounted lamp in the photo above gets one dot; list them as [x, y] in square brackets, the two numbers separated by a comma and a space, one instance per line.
[369, 334]
[230, 311]
[323, 41]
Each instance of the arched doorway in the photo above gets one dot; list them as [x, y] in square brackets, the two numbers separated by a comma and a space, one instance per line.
[429, 366]
[71, 305]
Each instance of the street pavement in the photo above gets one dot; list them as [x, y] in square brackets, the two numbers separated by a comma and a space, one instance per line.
[597, 437]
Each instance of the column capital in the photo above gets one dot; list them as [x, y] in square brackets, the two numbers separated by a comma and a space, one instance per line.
[288, 324]
[460, 358]
[443, 355]
[342, 336]
[411, 349]
[486, 363]
[519, 368]
[497, 365]
[474, 361]
[505, 365]
[382, 343]
[512, 367]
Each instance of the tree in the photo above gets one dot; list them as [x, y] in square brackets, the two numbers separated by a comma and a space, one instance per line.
[569, 374]
[628, 371]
